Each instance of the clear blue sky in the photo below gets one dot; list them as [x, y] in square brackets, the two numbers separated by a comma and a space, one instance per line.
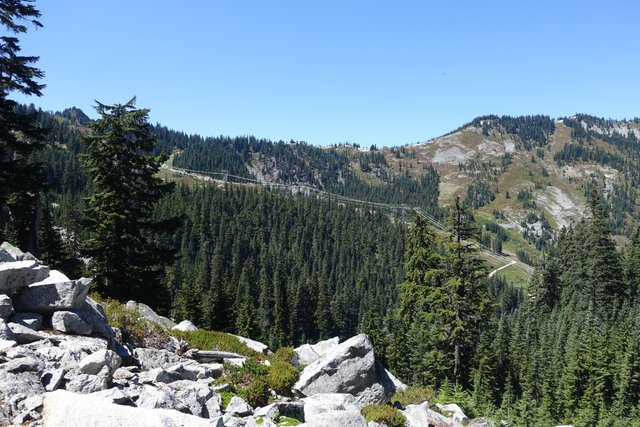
[368, 72]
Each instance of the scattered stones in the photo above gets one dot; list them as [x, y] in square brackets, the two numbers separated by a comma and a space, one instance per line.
[70, 323]
[151, 358]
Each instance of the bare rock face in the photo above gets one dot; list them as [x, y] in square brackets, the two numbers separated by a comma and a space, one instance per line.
[351, 368]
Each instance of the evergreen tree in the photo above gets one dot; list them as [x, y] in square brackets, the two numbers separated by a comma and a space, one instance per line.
[126, 260]
[21, 179]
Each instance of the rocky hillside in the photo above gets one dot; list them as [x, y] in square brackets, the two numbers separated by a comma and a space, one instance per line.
[62, 363]
[525, 177]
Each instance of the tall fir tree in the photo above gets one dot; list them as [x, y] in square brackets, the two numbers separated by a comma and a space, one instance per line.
[21, 179]
[126, 259]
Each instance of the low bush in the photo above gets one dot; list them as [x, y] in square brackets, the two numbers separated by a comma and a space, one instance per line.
[384, 414]
[414, 396]
[136, 330]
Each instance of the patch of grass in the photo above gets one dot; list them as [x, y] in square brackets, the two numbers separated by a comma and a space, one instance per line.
[226, 398]
[286, 421]
[384, 414]
[213, 340]
[414, 395]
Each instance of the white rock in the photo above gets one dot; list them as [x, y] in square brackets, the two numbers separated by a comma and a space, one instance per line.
[254, 345]
[64, 409]
[422, 416]
[94, 363]
[337, 418]
[185, 326]
[238, 406]
[351, 368]
[308, 353]
[456, 412]
[323, 402]
[9, 253]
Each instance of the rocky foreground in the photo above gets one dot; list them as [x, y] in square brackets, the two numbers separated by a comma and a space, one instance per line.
[62, 364]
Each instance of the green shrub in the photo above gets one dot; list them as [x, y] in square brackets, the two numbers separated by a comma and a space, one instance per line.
[414, 395]
[226, 398]
[248, 381]
[281, 376]
[384, 414]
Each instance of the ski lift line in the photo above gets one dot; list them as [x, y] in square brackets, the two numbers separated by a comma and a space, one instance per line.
[434, 221]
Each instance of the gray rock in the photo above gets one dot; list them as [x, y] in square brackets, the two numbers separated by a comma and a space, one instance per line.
[292, 409]
[150, 358]
[268, 412]
[212, 408]
[147, 313]
[70, 323]
[93, 314]
[159, 375]
[125, 373]
[56, 292]
[62, 408]
[85, 384]
[9, 253]
[23, 364]
[25, 384]
[26, 335]
[6, 344]
[30, 320]
[18, 274]
[185, 326]
[153, 397]
[94, 363]
[351, 368]
[239, 407]
[53, 379]
[6, 306]
[5, 332]
[194, 396]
